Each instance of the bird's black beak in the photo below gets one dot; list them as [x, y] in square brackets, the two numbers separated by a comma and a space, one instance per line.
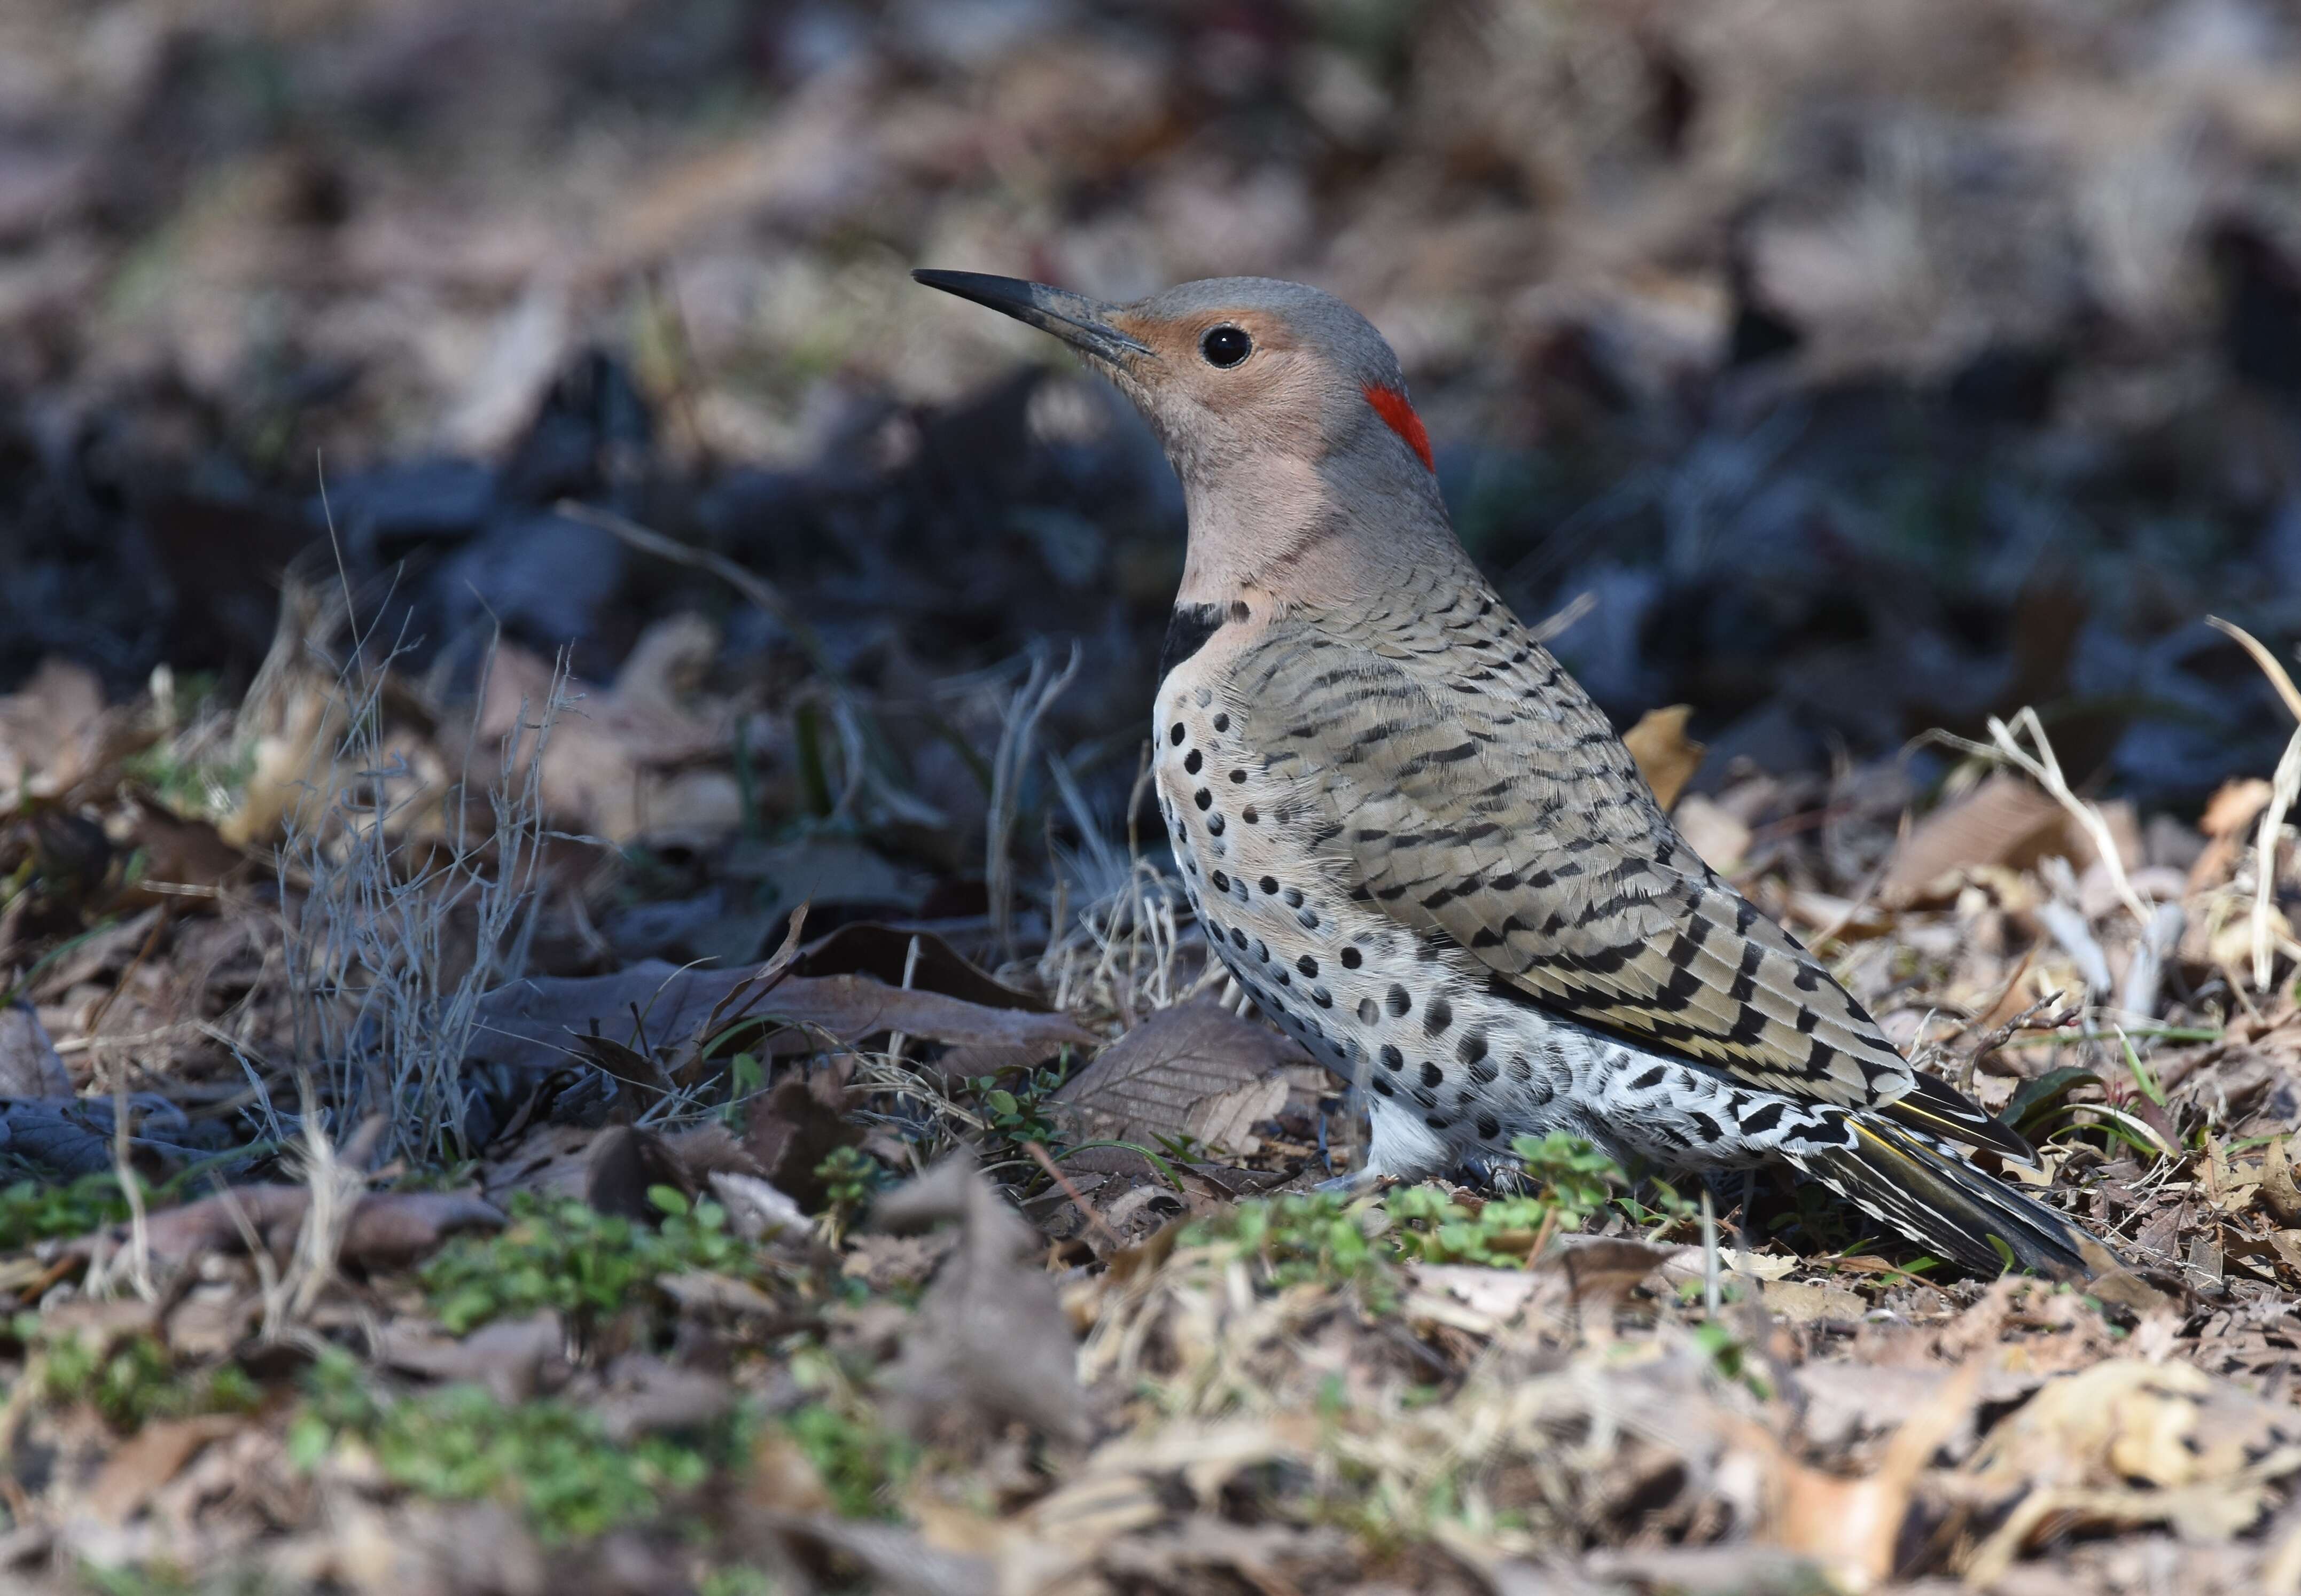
[1084, 324]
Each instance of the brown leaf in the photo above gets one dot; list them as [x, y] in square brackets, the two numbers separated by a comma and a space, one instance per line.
[2278, 1193]
[391, 1229]
[990, 1342]
[1666, 758]
[30, 1064]
[625, 1164]
[533, 1024]
[883, 952]
[643, 1395]
[2234, 806]
[1806, 1302]
[1180, 1073]
[513, 1358]
[2004, 820]
[56, 734]
[387, 1228]
[151, 1457]
[1852, 1527]
[794, 1128]
[187, 863]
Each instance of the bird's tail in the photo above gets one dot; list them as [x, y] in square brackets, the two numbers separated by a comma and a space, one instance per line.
[1943, 1201]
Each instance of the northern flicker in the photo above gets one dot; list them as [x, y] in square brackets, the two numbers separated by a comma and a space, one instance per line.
[1423, 851]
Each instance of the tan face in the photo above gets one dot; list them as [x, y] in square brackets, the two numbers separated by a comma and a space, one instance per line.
[1224, 380]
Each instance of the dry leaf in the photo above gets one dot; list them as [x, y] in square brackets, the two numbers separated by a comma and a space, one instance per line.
[30, 1064]
[2004, 821]
[151, 1457]
[387, 1228]
[535, 1024]
[1666, 758]
[990, 1342]
[1722, 841]
[513, 1358]
[794, 1128]
[1186, 1071]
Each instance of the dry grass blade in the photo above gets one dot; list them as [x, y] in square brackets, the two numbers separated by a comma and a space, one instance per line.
[2284, 788]
[1017, 737]
[2270, 666]
[2039, 763]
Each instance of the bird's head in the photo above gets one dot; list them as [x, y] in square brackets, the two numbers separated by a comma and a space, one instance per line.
[1283, 412]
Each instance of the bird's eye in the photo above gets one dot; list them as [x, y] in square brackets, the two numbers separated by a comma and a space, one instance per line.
[1225, 345]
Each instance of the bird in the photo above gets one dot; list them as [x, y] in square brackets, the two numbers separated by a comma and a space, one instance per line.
[1421, 848]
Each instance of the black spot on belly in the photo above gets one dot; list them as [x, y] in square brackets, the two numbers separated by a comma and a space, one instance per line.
[1647, 1080]
[1187, 632]
[1322, 998]
[1238, 939]
[1193, 762]
[1472, 1048]
[1397, 1001]
[1392, 1058]
[1222, 722]
[1382, 1084]
[1489, 1127]
[1174, 734]
[1269, 883]
[1214, 825]
[1352, 959]
[1432, 1075]
[1203, 798]
[1437, 1122]
[1440, 1014]
[1307, 964]
[1369, 1011]
[1249, 814]
[1764, 1119]
[1221, 881]
[1706, 1126]
[1238, 776]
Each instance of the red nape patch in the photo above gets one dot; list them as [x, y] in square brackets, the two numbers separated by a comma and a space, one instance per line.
[1399, 416]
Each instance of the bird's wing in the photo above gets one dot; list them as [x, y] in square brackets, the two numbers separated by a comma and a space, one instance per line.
[1471, 790]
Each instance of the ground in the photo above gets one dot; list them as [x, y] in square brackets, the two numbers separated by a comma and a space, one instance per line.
[595, 1001]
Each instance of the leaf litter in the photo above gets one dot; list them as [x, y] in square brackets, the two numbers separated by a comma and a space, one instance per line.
[619, 1302]
[864, 1259]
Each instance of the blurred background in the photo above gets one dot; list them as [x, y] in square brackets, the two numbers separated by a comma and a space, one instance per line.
[1870, 365]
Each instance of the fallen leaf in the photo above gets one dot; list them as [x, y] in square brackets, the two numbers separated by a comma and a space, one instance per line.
[1180, 1073]
[513, 1358]
[187, 864]
[2278, 1193]
[56, 734]
[626, 1164]
[1722, 841]
[387, 1228]
[790, 1131]
[1666, 758]
[1852, 1527]
[757, 1210]
[533, 1024]
[30, 1064]
[1804, 1302]
[884, 952]
[643, 1395]
[151, 1457]
[2004, 821]
[2234, 806]
[990, 1342]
